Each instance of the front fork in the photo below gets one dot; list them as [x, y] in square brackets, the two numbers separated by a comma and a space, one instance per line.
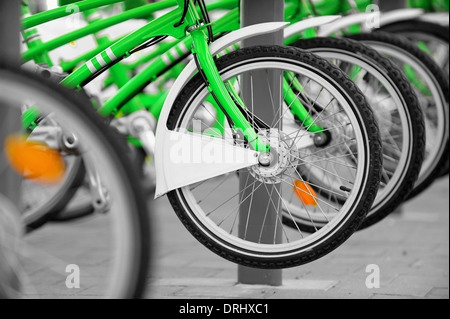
[220, 93]
[223, 96]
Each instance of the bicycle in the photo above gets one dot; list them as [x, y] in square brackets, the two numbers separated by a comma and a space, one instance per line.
[243, 134]
[402, 170]
[428, 80]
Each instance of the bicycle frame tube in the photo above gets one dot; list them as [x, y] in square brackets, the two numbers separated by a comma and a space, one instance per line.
[170, 53]
[32, 39]
[81, 6]
[118, 72]
[122, 48]
[229, 22]
[137, 13]
[165, 26]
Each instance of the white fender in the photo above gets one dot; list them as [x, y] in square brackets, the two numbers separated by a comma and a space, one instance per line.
[362, 18]
[309, 23]
[343, 23]
[399, 15]
[171, 174]
[436, 17]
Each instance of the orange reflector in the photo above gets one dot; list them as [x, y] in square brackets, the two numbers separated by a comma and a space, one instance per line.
[34, 161]
[305, 193]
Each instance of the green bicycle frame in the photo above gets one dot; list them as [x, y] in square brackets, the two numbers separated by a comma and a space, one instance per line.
[166, 26]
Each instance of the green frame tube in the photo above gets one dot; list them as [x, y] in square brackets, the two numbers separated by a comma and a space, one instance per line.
[122, 47]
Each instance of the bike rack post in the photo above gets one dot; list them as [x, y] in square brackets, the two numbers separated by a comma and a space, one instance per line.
[9, 117]
[252, 215]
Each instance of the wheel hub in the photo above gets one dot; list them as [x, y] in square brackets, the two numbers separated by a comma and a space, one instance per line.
[282, 156]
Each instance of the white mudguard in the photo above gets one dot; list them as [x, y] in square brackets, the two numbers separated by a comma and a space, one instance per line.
[172, 170]
[369, 20]
[399, 15]
[343, 23]
[309, 23]
[436, 17]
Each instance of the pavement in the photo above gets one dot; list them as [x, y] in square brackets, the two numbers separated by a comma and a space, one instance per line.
[410, 249]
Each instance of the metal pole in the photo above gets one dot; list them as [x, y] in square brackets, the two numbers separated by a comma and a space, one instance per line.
[253, 217]
[9, 116]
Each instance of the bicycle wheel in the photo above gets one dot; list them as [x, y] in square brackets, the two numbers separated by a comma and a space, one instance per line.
[40, 203]
[210, 209]
[432, 88]
[110, 251]
[399, 116]
[431, 37]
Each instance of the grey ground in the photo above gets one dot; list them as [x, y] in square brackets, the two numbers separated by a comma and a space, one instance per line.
[411, 249]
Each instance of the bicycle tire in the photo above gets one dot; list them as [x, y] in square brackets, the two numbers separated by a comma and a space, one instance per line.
[405, 48]
[284, 259]
[415, 123]
[405, 28]
[134, 271]
[50, 208]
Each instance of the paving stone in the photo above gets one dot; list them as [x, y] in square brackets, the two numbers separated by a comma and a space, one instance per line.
[331, 294]
[164, 292]
[436, 293]
[214, 292]
[411, 250]
[386, 296]
[425, 280]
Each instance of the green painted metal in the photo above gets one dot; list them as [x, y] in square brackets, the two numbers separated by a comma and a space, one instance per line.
[162, 58]
[64, 11]
[137, 13]
[160, 27]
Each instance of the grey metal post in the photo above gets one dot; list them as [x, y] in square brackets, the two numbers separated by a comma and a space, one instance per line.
[253, 212]
[9, 116]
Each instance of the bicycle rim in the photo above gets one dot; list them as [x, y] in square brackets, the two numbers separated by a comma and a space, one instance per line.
[110, 250]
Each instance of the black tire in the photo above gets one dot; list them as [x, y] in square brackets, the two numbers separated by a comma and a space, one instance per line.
[138, 209]
[366, 195]
[418, 27]
[445, 170]
[435, 30]
[439, 78]
[412, 110]
[57, 202]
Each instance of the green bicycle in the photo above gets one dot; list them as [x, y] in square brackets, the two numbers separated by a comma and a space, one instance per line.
[345, 116]
[402, 124]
